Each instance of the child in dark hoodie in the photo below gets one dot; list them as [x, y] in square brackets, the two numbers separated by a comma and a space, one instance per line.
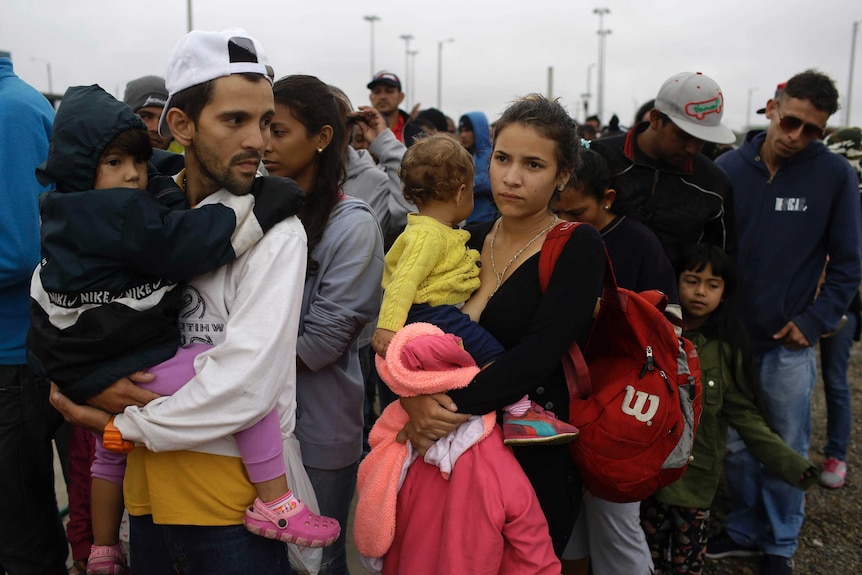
[104, 300]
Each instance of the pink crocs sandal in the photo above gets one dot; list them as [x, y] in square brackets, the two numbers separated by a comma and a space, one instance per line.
[107, 560]
[298, 526]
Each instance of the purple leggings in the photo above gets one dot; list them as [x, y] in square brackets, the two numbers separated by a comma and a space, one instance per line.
[260, 445]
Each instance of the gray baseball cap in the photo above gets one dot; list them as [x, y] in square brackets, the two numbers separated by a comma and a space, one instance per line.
[694, 103]
[146, 91]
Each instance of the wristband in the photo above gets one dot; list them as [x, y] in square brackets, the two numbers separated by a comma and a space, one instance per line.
[113, 440]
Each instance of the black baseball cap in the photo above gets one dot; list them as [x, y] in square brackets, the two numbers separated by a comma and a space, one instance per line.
[384, 77]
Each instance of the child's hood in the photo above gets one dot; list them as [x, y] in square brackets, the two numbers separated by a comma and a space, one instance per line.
[87, 121]
[422, 360]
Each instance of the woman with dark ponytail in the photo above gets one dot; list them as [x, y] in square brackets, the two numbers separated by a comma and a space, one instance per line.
[342, 292]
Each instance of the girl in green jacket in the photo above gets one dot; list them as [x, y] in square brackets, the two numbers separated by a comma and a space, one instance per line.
[676, 518]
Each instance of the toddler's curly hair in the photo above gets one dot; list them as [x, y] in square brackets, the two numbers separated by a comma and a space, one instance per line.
[434, 168]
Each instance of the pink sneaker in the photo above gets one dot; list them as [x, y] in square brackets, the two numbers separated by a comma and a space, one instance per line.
[107, 560]
[833, 473]
[298, 526]
[536, 426]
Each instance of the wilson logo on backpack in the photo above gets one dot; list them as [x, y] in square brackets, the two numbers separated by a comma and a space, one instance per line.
[635, 390]
[634, 402]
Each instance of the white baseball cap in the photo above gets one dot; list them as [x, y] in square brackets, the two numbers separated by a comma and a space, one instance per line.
[201, 56]
[694, 103]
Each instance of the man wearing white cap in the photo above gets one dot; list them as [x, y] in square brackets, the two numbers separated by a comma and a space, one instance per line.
[185, 486]
[660, 176]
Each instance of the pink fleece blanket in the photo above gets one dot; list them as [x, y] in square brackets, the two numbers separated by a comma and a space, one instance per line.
[421, 360]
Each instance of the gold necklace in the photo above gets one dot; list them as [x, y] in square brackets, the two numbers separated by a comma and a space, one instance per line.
[500, 276]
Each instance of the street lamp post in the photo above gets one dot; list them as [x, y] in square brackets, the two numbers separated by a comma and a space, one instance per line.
[48, 68]
[586, 95]
[371, 19]
[600, 90]
[412, 99]
[850, 81]
[440, 71]
[188, 15]
[748, 109]
[406, 38]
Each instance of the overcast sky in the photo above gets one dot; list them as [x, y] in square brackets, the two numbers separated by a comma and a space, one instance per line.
[502, 49]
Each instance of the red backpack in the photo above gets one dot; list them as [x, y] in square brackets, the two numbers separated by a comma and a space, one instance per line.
[635, 391]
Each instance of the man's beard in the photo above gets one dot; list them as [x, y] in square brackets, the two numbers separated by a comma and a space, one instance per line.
[221, 174]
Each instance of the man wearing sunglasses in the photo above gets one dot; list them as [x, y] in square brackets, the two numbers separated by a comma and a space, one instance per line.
[796, 203]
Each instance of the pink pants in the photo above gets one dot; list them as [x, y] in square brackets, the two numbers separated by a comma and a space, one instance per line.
[260, 445]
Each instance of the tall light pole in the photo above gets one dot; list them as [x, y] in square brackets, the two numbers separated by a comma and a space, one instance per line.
[586, 95]
[600, 90]
[850, 81]
[412, 99]
[440, 71]
[188, 15]
[50, 76]
[748, 109]
[371, 19]
[406, 38]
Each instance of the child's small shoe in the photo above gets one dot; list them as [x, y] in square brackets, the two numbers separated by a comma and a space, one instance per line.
[536, 426]
[298, 525]
[107, 560]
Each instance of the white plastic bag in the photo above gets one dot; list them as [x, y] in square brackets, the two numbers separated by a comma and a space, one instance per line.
[302, 559]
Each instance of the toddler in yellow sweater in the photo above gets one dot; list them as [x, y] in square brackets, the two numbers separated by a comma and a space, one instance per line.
[430, 273]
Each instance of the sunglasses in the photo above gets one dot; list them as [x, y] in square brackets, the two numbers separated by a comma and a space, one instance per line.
[792, 123]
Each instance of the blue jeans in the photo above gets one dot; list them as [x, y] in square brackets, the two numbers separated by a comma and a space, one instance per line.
[767, 512]
[196, 550]
[334, 490]
[834, 357]
[32, 541]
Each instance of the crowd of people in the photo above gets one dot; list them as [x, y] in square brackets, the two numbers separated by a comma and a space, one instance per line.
[223, 280]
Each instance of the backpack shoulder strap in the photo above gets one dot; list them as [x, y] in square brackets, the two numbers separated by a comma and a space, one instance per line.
[555, 241]
[574, 366]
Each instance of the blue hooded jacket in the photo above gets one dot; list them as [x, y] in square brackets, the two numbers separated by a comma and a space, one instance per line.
[25, 126]
[787, 225]
[484, 209]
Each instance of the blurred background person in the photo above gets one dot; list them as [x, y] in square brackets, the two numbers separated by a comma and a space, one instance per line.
[474, 133]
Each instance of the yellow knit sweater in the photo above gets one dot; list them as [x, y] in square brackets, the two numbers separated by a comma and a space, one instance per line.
[428, 263]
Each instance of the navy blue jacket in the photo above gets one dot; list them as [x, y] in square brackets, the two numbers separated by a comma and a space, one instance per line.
[787, 225]
[104, 300]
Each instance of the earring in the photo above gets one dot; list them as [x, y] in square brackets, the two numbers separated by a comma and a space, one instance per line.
[607, 207]
[319, 150]
[561, 187]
